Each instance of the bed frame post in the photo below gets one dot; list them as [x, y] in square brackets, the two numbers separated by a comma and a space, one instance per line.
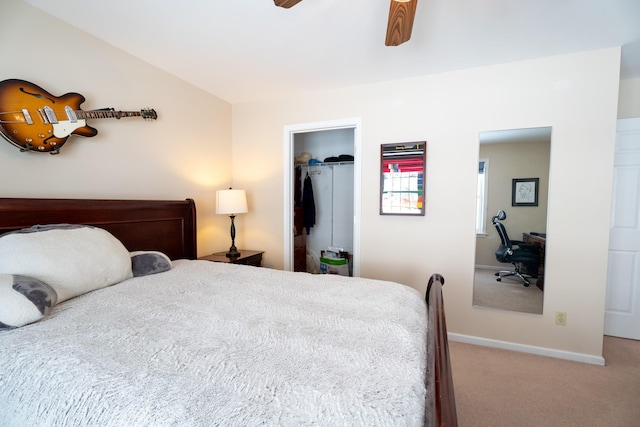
[439, 380]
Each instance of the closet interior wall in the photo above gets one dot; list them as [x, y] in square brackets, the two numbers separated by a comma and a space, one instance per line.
[333, 191]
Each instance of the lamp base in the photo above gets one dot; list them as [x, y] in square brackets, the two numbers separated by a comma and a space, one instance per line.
[233, 253]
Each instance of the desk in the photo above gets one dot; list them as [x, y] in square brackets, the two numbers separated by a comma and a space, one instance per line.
[540, 242]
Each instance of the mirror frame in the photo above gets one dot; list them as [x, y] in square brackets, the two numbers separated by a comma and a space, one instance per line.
[396, 192]
[500, 197]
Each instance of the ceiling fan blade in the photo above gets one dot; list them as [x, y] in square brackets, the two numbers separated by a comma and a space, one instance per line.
[286, 3]
[401, 15]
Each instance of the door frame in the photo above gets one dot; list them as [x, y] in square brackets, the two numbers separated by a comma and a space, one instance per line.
[289, 135]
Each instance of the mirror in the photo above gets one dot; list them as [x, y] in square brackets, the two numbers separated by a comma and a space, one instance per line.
[402, 175]
[513, 177]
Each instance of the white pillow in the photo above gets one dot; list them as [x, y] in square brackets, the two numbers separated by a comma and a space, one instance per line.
[71, 259]
[24, 300]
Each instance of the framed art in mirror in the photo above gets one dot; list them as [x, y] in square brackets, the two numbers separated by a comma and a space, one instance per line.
[402, 178]
[524, 191]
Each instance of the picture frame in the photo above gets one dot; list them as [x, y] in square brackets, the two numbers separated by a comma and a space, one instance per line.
[524, 191]
[402, 178]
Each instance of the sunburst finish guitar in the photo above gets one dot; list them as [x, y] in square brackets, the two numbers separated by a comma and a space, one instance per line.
[34, 120]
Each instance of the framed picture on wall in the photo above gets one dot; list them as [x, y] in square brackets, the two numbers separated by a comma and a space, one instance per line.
[402, 178]
[524, 191]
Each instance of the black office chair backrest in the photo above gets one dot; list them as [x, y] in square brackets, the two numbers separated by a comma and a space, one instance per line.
[502, 232]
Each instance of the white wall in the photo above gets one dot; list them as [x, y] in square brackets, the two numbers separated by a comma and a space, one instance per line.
[333, 197]
[575, 94]
[323, 144]
[186, 152]
[629, 101]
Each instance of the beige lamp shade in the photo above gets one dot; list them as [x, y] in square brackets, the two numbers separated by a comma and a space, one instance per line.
[231, 202]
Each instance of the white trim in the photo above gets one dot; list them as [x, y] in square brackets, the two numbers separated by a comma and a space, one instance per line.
[488, 267]
[523, 348]
[288, 137]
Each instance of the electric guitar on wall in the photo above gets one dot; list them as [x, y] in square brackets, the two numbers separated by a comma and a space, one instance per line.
[34, 120]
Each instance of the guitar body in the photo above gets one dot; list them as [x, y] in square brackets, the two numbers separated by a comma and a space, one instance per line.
[38, 133]
[32, 119]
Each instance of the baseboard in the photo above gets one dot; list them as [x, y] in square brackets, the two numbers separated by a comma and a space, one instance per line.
[523, 348]
[488, 267]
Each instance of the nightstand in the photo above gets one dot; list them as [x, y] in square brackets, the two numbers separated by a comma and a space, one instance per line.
[246, 257]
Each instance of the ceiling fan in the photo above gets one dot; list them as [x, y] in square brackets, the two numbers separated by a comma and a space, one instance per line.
[399, 26]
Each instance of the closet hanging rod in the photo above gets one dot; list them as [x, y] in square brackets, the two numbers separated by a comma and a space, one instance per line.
[325, 164]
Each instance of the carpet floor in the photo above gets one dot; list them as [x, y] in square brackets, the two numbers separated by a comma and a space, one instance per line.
[496, 387]
[509, 294]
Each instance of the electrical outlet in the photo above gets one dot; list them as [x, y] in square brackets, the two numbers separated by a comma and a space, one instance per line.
[561, 318]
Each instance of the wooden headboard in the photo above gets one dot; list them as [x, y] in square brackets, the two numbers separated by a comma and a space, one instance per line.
[161, 225]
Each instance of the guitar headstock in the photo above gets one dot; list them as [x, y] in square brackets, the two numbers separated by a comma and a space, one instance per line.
[149, 114]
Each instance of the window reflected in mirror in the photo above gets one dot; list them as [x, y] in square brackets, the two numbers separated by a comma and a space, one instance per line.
[511, 237]
[481, 198]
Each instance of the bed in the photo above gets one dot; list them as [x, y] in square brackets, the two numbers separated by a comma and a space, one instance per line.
[172, 340]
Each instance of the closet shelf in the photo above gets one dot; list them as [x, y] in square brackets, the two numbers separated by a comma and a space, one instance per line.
[325, 164]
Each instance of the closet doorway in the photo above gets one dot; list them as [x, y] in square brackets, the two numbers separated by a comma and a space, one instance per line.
[334, 176]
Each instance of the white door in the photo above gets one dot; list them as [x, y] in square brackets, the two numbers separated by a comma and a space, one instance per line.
[622, 309]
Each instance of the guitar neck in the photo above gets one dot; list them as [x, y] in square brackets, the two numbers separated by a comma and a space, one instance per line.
[106, 114]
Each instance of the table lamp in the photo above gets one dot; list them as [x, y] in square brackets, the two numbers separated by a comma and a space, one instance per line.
[231, 202]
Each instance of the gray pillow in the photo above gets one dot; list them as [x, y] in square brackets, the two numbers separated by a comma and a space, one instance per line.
[24, 300]
[144, 263]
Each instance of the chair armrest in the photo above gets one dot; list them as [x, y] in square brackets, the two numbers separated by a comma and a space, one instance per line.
[503, 253]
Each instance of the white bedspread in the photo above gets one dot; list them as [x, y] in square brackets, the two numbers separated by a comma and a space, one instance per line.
[210, 344]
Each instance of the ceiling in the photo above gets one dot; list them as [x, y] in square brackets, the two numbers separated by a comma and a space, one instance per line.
[245, 50]
[528, 135]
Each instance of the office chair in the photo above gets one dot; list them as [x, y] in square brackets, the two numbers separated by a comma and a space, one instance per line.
[514, 252]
